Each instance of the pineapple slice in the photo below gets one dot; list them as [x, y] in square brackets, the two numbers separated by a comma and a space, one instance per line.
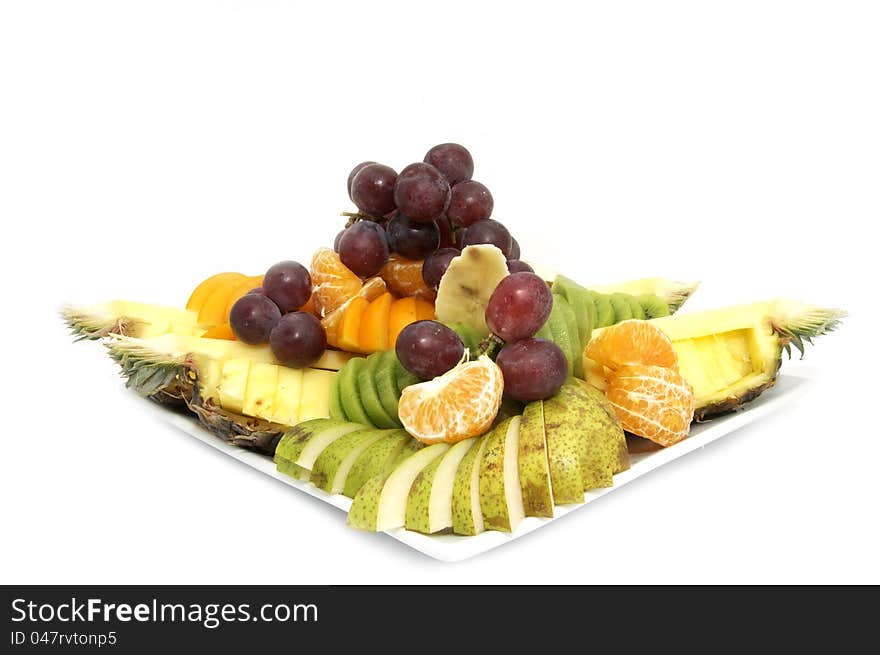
[285, 408]
[233, 384]
[262, 384]
[315, 399]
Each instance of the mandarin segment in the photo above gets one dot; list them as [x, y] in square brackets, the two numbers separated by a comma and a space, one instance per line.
[654, 402]
[632, 342]
[332, 321]
[404, 277]
[334, 283]
[350, 327]
[459, 404]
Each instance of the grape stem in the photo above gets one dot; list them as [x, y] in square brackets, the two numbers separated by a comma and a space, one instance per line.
[490, 346]
[354, 217]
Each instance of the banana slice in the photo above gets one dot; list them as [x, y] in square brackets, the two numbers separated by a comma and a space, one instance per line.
[468, 284]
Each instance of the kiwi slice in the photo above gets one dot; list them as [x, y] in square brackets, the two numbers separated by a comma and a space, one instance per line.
[366, 385]
[566, 313]
[374, 460]
[386, 384]
[336, 411]
[653, 306]
[561, 335]
[402, 377]
[622, 312]
[348, 391]
[636, 308]
[581, 302]
[604, 310]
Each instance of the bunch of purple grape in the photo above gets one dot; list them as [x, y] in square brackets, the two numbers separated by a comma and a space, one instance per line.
[272, 313]
[430, 211]
[533, 369]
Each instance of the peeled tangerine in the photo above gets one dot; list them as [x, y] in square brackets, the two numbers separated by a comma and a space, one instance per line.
[457, 405]
[654, 402]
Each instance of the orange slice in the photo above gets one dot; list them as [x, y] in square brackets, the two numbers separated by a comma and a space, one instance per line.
[213, 310]
[222, 331]
[425, 310]
[350, 328]
[460, 404]
[654, 402]
[200, 293]
[333, 281]
[404, 277]
[246, 285]
[373, 334]
[403, 312]
[630, 343]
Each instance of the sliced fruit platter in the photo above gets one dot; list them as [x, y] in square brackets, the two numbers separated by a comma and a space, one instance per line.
[425, 373]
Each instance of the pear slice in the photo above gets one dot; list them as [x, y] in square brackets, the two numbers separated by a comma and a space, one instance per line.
[335, 461]
[429, 504]
[301, 446]
[534, 469]
[607, 419]
[381, 503]
[467, 517]
[376, 459]
[500, 494]
[563, 452]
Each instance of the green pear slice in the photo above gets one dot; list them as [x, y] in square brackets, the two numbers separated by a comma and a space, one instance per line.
[349, 397]
[369, 397]
[603, 441]
[386, 384]
[376, 459]
[467, 517]
[563, 452]
[332, 466]
[293, 441]
[500, 493]
[381, 503]
[534, 468]
[429, 504]
[608, 418]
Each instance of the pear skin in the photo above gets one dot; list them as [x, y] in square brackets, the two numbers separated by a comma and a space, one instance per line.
[534, 469]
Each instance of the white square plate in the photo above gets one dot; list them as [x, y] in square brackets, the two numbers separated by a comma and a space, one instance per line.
[452, 548]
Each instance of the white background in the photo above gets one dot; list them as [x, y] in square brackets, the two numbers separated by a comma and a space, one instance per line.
[144, 146]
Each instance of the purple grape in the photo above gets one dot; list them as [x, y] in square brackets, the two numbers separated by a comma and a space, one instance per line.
[533, 369]
[470, 202]
[372, 189]
[258, 291]
[298, 340]
[458, 237]
[252, 318]
[519, 306]
[453, 160]
[364, 248]
[410, 239]
[488, 231]
[337, 240]
[514, 249]
[447, 237]
[435, 265]
[428, 349]
[518, 266]
[355, 171]
[421, 192]
[289, 285]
